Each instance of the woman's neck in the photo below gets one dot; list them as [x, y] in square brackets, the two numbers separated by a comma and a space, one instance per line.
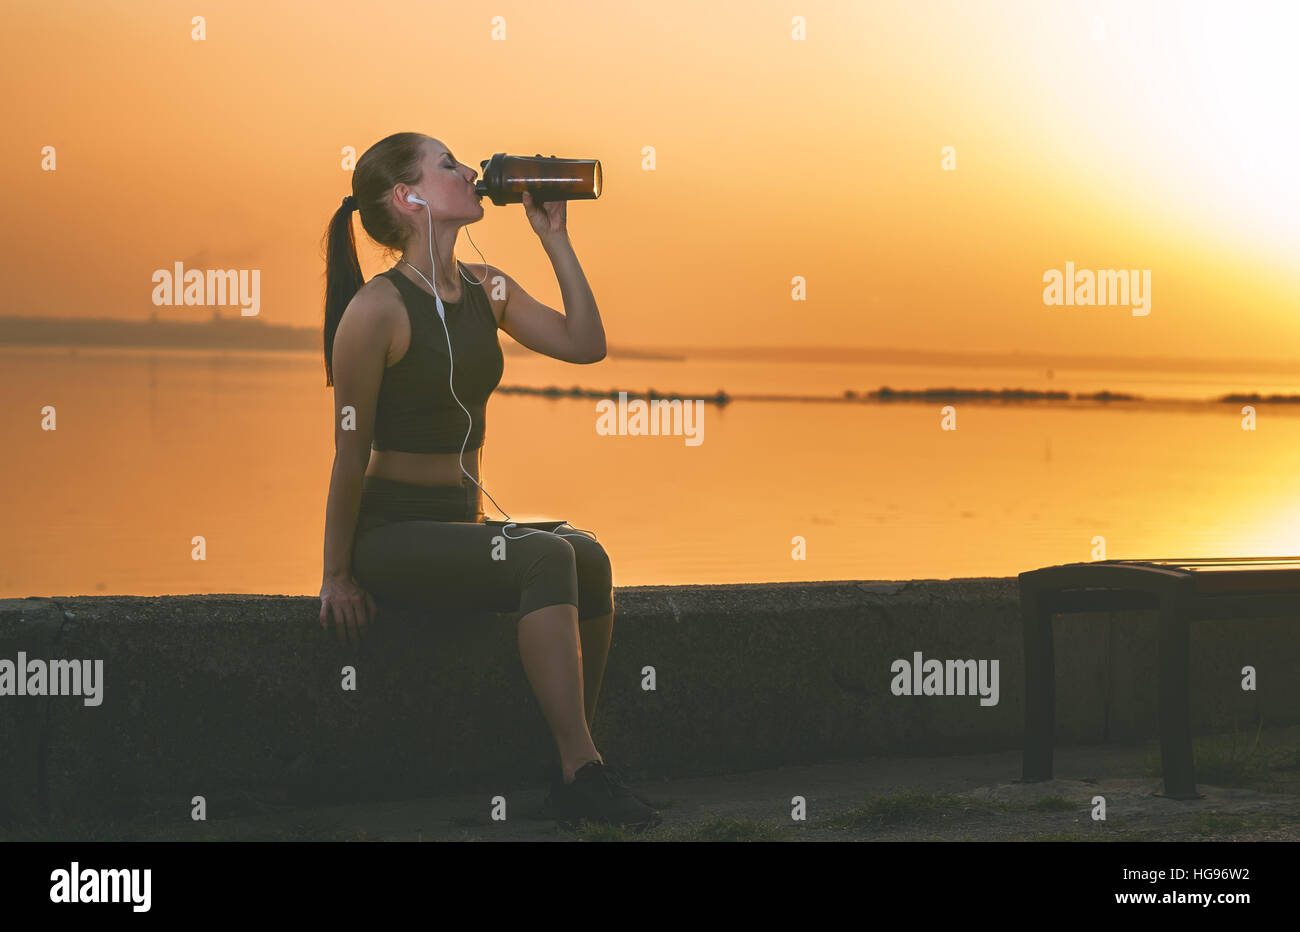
[450, 285]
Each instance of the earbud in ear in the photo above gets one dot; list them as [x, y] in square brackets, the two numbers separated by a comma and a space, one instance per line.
[415, 200]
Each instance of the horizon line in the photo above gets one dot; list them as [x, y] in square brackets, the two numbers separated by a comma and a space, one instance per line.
[780, 353]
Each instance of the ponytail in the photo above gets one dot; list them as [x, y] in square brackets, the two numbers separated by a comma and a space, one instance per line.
[343, 278]
[394, 159]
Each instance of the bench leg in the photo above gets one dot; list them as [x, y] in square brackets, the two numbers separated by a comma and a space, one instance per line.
[1175, 702]
[1040, 688]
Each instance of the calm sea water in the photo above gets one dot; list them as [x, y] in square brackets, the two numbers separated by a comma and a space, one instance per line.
[155, 447]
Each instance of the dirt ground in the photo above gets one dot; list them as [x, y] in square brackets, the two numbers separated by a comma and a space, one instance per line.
[1250, 793]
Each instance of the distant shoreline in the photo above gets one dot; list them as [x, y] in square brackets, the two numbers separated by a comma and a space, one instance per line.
[886, 395]
[235, 335]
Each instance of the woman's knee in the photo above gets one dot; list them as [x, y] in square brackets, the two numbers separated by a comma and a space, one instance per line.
[595, 579]
[549, 574]
[569, 569]
[592, 559]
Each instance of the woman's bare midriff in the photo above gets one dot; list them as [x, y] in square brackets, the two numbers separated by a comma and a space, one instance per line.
[426, 468]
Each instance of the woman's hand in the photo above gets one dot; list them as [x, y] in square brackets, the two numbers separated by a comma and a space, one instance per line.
[550, 219]
[346, 606]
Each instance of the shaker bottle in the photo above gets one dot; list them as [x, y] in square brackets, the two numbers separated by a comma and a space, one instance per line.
[546, 178]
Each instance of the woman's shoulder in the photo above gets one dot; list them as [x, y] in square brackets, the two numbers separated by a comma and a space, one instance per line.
[379, 291]
[378, 302]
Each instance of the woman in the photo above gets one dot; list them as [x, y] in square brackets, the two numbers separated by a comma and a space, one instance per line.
[404, 519]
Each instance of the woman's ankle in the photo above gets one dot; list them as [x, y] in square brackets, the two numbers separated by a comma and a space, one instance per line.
[567, 774]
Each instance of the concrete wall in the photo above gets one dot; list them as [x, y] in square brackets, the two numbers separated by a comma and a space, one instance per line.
[237, 697]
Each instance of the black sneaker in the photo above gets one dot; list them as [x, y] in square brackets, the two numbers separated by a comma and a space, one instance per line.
[599, 797]
[547, 809]
[616, 775]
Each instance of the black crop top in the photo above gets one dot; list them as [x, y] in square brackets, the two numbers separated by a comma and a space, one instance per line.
[415, 411]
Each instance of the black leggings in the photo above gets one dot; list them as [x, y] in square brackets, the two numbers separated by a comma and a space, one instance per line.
[424, 544]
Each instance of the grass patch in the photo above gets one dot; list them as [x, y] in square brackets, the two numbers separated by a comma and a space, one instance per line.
[1288, 759]
[1070, 835]
[1214, 823]
[1100, 831]
[1074, 834]
[904, 809]
[1234, 760]
[724, 830]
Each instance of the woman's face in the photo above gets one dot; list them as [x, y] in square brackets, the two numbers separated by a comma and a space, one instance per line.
[448, 185]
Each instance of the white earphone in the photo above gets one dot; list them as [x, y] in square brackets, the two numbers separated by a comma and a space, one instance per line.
[411, 198]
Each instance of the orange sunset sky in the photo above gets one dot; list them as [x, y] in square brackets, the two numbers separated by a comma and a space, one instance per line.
[1142, 135]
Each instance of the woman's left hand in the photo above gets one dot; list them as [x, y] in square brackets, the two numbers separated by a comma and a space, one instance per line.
[548, 219]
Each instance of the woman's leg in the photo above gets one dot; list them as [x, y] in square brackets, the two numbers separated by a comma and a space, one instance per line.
[549, 648]
[474, 564]
[595, 593]
[595, 634]
[595, 616]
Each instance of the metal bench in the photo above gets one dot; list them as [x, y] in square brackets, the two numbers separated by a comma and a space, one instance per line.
[1182, 591]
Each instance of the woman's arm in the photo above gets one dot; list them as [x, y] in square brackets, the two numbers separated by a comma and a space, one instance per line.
[361, 346]
[577, 335]
[360, 353]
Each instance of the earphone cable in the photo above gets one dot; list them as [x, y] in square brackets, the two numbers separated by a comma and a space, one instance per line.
[442, 315]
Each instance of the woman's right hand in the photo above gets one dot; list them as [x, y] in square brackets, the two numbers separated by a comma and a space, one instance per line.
[346, 606]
